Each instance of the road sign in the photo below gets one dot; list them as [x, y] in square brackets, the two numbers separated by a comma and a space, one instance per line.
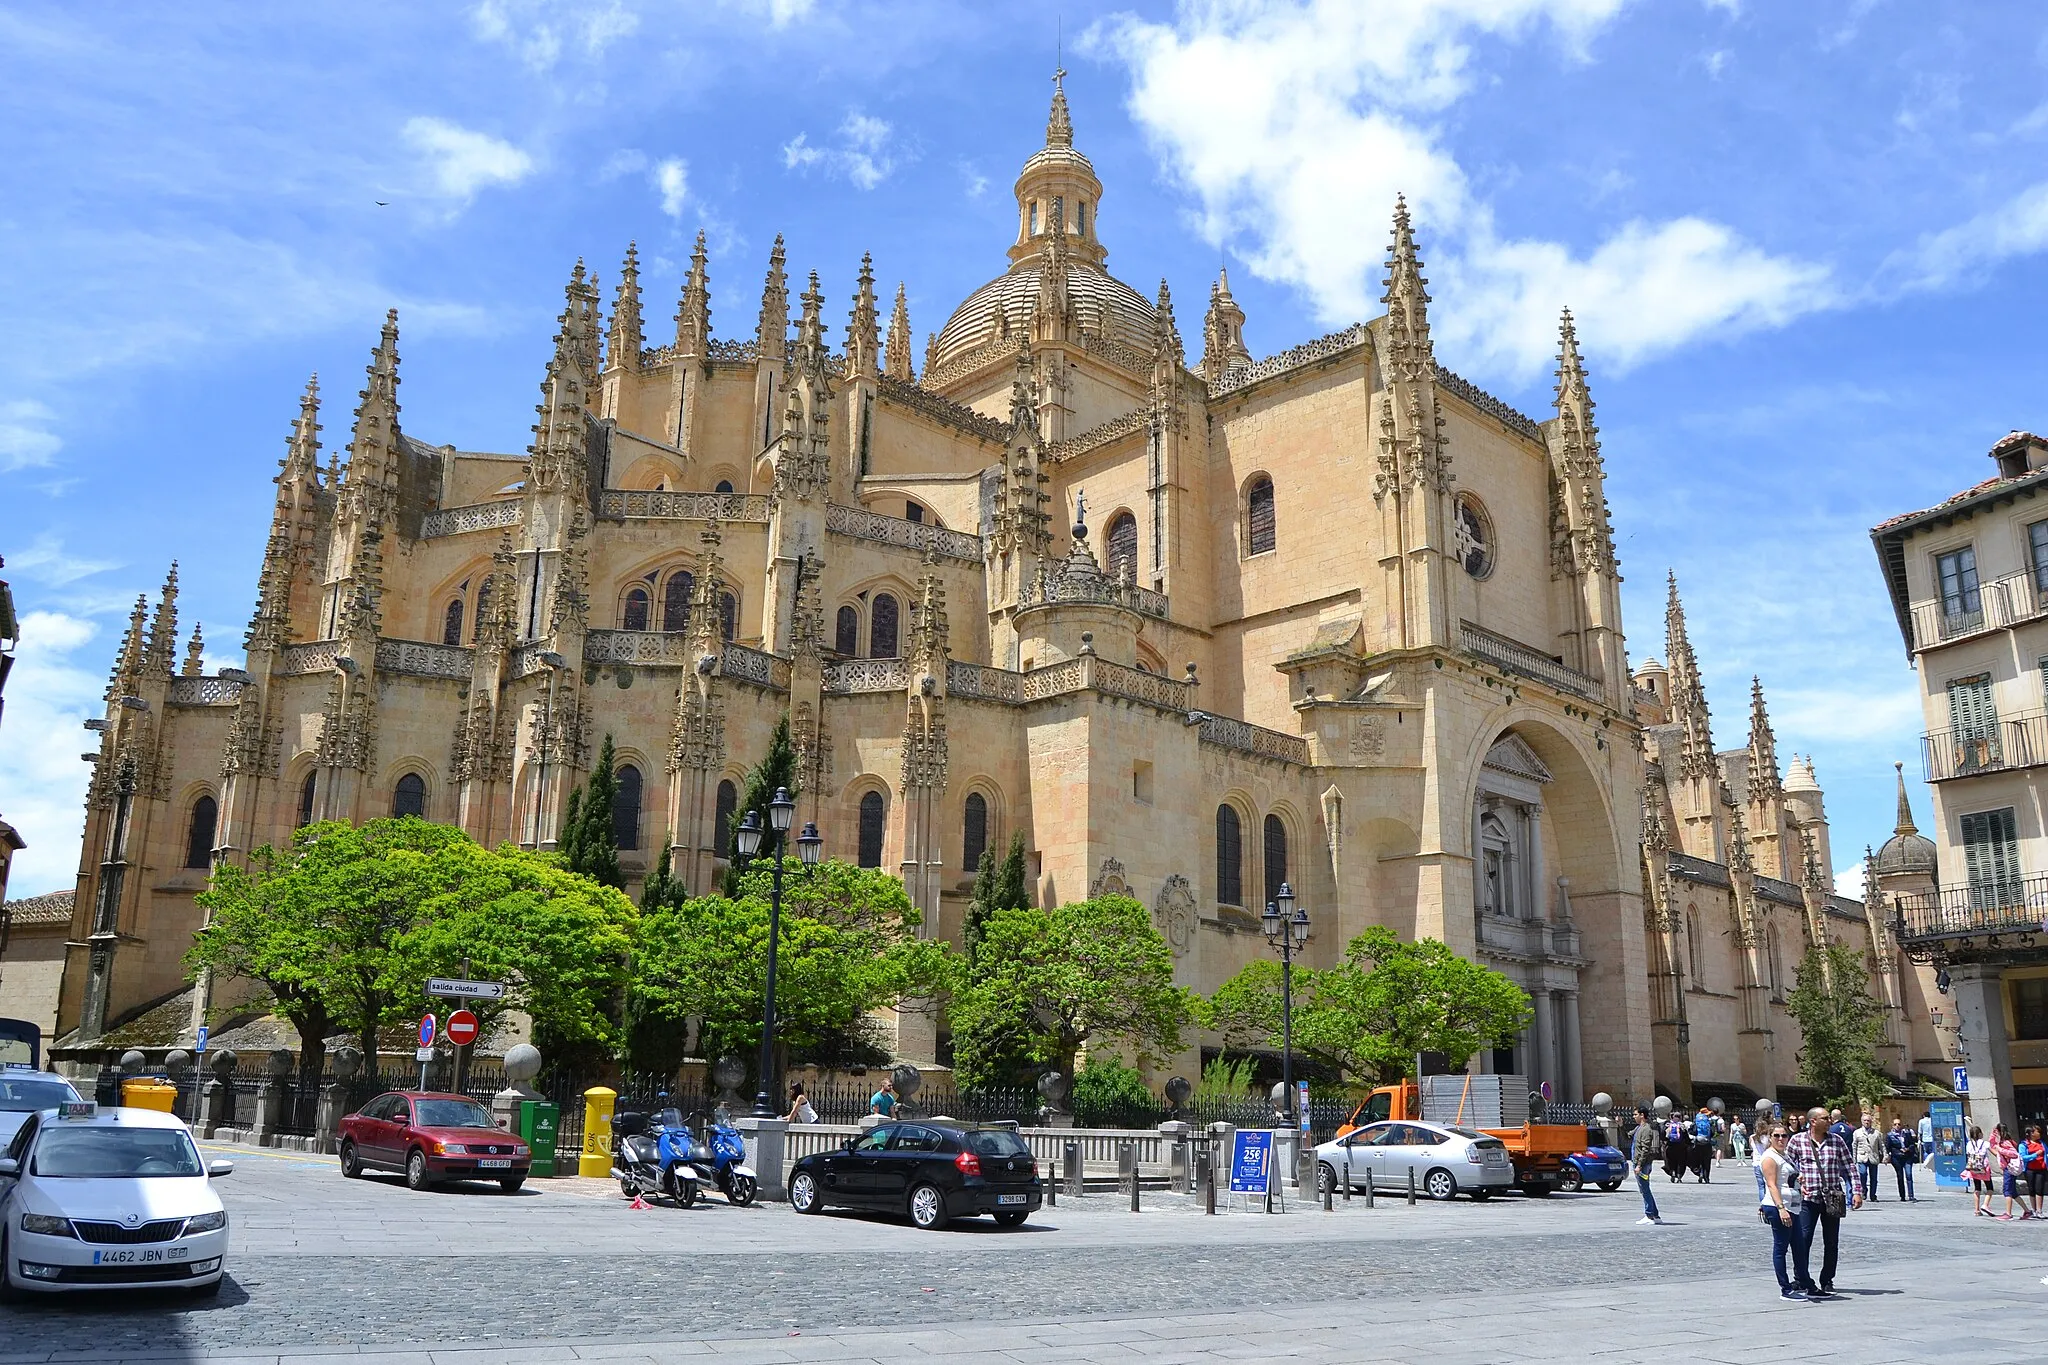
[1962, 1085]
[425, 1054]
[1302, 1110]
[200, 1046]
[454, 988]
[1251, 1164]
[426, 1032]
[462, 1028]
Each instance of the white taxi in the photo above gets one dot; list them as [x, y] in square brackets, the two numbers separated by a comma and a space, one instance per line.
[95, 1198]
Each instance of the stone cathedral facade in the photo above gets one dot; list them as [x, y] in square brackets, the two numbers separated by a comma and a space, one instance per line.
[1336, 618]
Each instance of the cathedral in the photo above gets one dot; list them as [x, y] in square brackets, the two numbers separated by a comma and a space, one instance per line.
[1335, 619]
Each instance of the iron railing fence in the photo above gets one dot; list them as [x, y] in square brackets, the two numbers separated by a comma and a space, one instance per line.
[2006, 905]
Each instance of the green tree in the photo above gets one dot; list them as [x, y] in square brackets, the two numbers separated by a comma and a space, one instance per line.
[997, 886]
[1109, 1093]
[1047, 982]
[590, 841]
[1840, 1026]
[776, 770]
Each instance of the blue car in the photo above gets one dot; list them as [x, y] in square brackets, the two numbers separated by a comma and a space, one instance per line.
[1597, 1164]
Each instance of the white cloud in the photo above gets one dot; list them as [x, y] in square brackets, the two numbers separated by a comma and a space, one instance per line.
[1296, 122]
[1716, 62]
[42, 784]
[974, 180]
[1849, 881]
[2018, 227]
[47, 561]
[538, 30]
[462, 161]
[625, 161]
[672, 179]
[26, 442]
[861, 154]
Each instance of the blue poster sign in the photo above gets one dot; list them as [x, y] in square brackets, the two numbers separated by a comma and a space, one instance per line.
[1251, 1161]
[1951, 1144]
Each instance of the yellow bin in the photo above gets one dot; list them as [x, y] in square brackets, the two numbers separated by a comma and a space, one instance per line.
[149, 1094]
[596, 1158]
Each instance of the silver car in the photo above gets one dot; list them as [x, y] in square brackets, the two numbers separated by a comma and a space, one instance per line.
[1447, 1161]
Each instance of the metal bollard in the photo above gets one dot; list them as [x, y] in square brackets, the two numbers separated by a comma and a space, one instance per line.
[1329, 1197]
[1052, 1189]
[1134, 1191]
[1411, 1187]
[1368, 1189]
[1127, 1164]
[1347, 1175]
[1208, 1188]
[1072, 1173]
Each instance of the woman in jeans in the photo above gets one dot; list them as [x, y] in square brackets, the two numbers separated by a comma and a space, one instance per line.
[2034, 1169]
[1779, 1210]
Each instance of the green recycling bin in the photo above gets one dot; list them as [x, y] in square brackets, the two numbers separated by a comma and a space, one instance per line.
[538, 1121]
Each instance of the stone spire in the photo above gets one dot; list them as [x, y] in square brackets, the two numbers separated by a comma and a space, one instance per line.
[803, 461]
[289, 549]
[302, 450]
[1222, 332]
[1905, 825]
[810, 328]
[896, 359]
[163, 630]
[1740, 859]
[1688, 695]
[863, 326]
[1764, 785]
[558, 459]
[1023, 394]
[773, 330]
[623, 341]
[1165, 333]
[195, 652]
[1407, 301]
[1055, 315]
[1022, 524]
[373, 449]
[1589, 533]
[1059, 124]
[128, 663]
[693, 315]
[929, 638]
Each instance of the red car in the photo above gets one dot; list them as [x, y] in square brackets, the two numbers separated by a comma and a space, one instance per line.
[432, 1137]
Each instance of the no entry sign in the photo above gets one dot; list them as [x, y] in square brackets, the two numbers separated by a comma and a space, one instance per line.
[462, 1028]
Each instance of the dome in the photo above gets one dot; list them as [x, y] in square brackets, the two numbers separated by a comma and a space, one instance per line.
[1908, 850]
[1103, 305]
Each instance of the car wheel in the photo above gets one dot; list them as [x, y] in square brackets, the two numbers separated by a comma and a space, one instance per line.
[1011, 1218]
[1326, 1177]
[511, 1183]
[351, 1164]
[210, 1290]
[8, 1293]
[1610, 1185]
[416, 1177]
[803, 1193]
[1440, 1184]
[740, 1190]
[1570, 1181]
[928, 1208]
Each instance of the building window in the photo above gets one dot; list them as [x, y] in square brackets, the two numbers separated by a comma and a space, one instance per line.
[199, 834]
[2030, 1007]
[636, 610]
[451, 623]
[1692, 946]
[1276, 856]
[913, 511]
[409, 797]
[1260, 536]
[1081, 218]
[483, 610]
[882, 628]
[306, 801]
[846, 632]
[721, 823]
[1473, 533]
[728, 617]
[1973, 725]
[1123, 546]
[974, 832]
[626, 808]
[675, 601]
[1962, 607]
[2037, 554]
[1496, 866]
[1229, 857]
[1034, 218]
[724, 486]
[872, 813]
[1991, 859]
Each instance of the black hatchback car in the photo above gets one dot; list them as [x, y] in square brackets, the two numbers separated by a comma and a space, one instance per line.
[933, 1171]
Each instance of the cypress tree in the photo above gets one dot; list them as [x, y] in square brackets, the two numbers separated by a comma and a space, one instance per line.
[776, 769]
[997, 886]
[590, 843]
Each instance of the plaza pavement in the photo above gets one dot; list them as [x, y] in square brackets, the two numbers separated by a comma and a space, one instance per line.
[360, 1272]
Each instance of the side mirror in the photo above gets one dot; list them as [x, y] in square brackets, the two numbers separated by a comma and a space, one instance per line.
[9, 1166]
[216, 1169]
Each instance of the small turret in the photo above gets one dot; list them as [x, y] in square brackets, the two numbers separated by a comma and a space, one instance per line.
[1688, 694]
[1222, 332]
[896, 359]
[163, 630]
[1764, 786]
[863, 326]
[1409, 353]
[693, 314]
[195, 653]
[624, 340]
[1908, 851]
[1165, 333]
[773, 331]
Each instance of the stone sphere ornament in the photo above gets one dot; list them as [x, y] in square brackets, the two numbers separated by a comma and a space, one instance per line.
[223, 1063]
[1718, 1105]
[1661, 1106]
[132, 1060]
[1177, 1091]
[1055, 1087]
[177, 1061]
[345, 1061]
[1602, 1102]
[522, 1063]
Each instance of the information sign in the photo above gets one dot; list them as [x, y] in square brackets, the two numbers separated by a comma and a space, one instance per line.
[1962, 1085]
[462, 1028]
[1951, 1149]
[1251, 1161]
[426, 1031]
[1301, 1090]
[454, 988]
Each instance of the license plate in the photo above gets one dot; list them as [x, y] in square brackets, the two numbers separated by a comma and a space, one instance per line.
[494, 1164]
[1009, 1199]
[141, 1256]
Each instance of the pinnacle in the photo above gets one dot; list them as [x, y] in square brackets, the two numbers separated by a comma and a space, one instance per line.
[1905, 825]
[1059, 124]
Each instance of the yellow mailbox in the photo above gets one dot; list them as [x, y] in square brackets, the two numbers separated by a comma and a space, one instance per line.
[597, 1132]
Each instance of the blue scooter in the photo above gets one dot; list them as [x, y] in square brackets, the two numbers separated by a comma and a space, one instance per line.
[722, 1161]
[656, 1162]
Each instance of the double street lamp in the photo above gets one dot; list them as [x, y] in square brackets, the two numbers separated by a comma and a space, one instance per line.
[749, 836]
[1286, 926]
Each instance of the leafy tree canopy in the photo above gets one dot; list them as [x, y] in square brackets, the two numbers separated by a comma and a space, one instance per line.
[1840, 1026]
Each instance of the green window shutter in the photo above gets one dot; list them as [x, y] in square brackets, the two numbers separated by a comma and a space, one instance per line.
[1973, 724]
[1991, 858]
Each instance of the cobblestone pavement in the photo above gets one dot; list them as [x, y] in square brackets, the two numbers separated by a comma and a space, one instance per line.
[565, 1271]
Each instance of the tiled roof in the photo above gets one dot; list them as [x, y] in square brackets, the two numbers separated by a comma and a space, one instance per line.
[54, 908]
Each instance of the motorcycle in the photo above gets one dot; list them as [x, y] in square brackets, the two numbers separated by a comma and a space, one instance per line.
[655, 1162]
[722, 1161]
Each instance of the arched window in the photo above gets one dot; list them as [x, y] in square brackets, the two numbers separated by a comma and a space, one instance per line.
[913, 511]
[1229, 857]
[882, 628]
[728, 616]
[1123, 546]
[626, 808]
[724, 486]
[846, 632]
[451, 623]
[483, 610]
[1259, 534]
[636, 610]
[872, 814]
[974, 832]
[306, 801]
[1692, 945]
[675, 601]
[1276, 856]
[409, 797]
[1034, 218]
[721, 824]
[199, 834]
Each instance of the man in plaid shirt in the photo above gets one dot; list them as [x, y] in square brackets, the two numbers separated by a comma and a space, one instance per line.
[1824, 1166]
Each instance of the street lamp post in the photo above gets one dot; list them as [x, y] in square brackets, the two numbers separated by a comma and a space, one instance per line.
[809, 844]
[1286, 925]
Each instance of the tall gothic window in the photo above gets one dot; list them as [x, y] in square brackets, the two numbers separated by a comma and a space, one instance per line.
[873, 811]
[626, 808]
[974, 832]
[728, 616]
[846, 632]
[1229, 857]
[636, 610]
[483, 610]
[1276, 856]
[882, 627]
[306, 801]
[1259, 533]
[721, 823]
[675, 601]
[199, 834]
[1123, 546]
[724, 486]
[451, 623]
[409, 797]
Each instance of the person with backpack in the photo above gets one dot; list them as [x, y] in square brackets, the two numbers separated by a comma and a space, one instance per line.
[1677, 1148]
[1902, 1149]
[2009, 1163]
[1644, 1149]
[1704, 1142]
[1977, 1164]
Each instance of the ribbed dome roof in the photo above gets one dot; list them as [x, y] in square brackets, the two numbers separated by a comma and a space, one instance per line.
[1103, 305]
[1908, 850]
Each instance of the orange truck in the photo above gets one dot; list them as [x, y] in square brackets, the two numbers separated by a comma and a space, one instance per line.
[1490, 1104]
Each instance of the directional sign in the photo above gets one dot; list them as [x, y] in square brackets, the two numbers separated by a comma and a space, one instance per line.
[452, 988]
[1962, 1085]
[462, 1028]
[200, 1046]
[426, 1031]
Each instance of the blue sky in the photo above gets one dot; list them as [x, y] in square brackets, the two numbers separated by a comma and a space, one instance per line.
[1805, 244]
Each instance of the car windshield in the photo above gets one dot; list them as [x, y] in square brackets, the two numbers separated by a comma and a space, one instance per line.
[996, 1142]
[105, 1152]
[450, 1114]
[1597, 1137]
[26, 1094]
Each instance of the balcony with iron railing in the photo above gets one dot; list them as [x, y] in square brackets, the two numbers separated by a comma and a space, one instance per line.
[2003, 745]
[1515, 657]
[2015, 905]
[2000, 604]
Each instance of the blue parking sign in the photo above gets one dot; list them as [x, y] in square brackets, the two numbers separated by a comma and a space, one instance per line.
[1962, 1074]
[1251, 1161]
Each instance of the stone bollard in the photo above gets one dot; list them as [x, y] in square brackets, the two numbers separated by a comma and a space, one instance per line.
[764, 1138]
[1179, 1167]
[1220, 1135]
[217, 1107]
[1071, 1169]
[342, 1063]
[273, 1096]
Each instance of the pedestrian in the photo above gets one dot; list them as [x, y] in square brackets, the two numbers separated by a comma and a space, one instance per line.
[1868, 1146]
[1677, 1148]
[1902, 1149]
[2008, 1153]
[1703, 1144]
[1839, 1126]
[1644, 1149]
[1738, 1139]
[1977, 1165]
[1780, 1209]
[1826, 1193]
[800, 1110]
[2033, 1154]
[1927, 1137]
[883, 1101]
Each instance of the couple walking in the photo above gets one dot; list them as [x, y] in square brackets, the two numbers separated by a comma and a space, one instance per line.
[1806, 1188]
